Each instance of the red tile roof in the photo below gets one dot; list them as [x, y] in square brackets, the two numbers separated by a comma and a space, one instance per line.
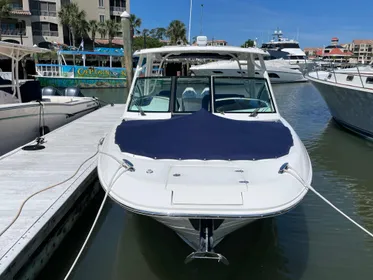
[333, 52]
[359, 42]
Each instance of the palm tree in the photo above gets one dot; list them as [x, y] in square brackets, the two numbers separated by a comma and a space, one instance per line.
[72, 17]
[93, 27]
[112, 29]
[102, 30]
[4, 11]
[82, 28]
[158, 33]
[177, 32]
[135, 25]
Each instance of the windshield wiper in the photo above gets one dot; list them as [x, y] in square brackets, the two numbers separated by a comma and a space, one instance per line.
[142, 113]
[255, 112]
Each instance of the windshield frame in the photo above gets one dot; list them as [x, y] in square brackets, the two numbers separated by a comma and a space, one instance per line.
[132, 95]
[212, 97]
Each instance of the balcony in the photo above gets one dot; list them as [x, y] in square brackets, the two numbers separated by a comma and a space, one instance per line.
[45, 33]
[116, 11]
[44, 13]
[13, 32]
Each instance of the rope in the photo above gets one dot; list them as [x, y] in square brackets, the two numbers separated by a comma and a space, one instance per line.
[111, 184]
[293, 173]
[45, 189]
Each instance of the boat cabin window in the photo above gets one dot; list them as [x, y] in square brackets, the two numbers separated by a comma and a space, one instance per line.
[192, 94]
[369, 80]
[151, 95]
[242, 95]
[349, 78]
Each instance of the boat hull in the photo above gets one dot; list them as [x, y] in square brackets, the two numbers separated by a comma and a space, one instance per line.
[188, 229]
[20, 123]
[62, 82]
[350, 107]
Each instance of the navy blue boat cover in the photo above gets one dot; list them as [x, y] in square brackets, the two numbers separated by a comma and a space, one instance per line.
[202, 135]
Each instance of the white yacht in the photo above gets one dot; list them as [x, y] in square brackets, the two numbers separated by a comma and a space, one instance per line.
[288, 50]
[348, 94]
[203, 154]
[279, 70]
[25, 113]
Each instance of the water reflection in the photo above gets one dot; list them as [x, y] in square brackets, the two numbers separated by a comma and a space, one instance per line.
[149, 250]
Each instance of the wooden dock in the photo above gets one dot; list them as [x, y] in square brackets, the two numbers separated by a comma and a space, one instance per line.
[23, 173]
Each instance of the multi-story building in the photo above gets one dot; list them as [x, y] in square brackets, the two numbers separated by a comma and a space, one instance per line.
[35, 21]
[17, 28]
[363, 50]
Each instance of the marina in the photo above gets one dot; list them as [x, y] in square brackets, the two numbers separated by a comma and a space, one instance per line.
[166, 153]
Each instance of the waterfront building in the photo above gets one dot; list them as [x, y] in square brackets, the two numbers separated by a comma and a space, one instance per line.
[32, 21]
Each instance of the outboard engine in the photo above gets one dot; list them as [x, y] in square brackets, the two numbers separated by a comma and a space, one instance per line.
[73, 91]
[50, 91]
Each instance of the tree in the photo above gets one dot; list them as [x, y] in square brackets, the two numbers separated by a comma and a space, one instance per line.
[4, 12]
[72, 18]
[177, 32]
[82, 28]
[248, 43]
[112, 29]
[93, 27]
[102, 30]
[158, 33]
[138, 43]
[135, 25]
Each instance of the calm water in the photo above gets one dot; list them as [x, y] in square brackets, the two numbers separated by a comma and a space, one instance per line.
[310, 242]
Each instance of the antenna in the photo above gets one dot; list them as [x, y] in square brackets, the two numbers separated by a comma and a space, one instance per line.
[190, 20]
[201, 32]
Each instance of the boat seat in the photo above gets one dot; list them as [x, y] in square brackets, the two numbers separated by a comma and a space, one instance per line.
[190, 100]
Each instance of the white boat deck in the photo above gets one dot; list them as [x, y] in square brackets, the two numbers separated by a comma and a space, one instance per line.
[24, 172]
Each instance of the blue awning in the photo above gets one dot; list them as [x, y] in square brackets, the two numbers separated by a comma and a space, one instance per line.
[204, 136]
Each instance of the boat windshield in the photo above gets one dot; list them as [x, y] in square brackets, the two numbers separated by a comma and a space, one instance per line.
[151, 95]
[242, 95]
[191, 94]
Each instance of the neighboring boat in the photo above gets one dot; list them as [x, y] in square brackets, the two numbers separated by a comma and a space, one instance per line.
[288, 50]
[26, 113]
[202, 153]
[279, 71]
[67, 74]
[348, 94]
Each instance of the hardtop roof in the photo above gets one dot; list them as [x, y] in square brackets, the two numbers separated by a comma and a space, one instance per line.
[202, 51]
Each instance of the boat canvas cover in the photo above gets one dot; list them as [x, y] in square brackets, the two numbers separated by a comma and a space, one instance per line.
[204, 136]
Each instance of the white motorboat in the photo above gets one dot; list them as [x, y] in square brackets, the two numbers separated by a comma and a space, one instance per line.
[348, 94]
[25, 113]
[279, 70]
[203, 154]
[288, 50]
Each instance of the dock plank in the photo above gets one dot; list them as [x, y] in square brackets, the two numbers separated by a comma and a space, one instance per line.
[25, 172]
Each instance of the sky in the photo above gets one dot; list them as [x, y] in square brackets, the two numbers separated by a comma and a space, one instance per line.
[238, 20]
